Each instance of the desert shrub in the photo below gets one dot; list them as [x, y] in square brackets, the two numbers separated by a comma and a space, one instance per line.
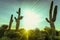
[3, 28]
[35, 34]
[4, 38]
[13, 35]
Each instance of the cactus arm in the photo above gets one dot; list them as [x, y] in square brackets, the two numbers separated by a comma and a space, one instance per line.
[18, 12]
[47, 20]
[50, 12]
[20, 17]
[15, 19]
[54, 14]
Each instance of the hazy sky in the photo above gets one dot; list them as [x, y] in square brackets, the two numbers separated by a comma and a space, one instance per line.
[39, 7]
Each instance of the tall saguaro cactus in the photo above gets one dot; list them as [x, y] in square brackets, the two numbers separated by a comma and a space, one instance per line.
[11, 20]
[52, 19]
[52, 16]
[18, 19]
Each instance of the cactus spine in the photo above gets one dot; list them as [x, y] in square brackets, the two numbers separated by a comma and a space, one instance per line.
[52, 16]
[11, 21]
[18, 19]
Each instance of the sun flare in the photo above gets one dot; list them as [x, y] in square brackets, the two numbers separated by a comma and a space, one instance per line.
[31, 19]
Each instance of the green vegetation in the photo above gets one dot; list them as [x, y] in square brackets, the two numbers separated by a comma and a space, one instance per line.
[22, 34]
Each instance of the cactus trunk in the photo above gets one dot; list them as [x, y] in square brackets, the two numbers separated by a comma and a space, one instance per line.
[17, 25]
[52, 25]
[11, 21]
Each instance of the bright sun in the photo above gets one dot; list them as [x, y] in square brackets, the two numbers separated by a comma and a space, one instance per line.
[31, 20]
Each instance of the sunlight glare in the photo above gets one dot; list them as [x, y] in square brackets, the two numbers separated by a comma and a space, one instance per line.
[31, 19]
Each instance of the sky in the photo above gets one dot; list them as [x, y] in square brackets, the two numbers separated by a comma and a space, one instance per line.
[34, 12]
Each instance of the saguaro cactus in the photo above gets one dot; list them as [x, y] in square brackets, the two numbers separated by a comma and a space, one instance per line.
[11, 21]
[18, 19]
[52, 16]
[52, 19]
